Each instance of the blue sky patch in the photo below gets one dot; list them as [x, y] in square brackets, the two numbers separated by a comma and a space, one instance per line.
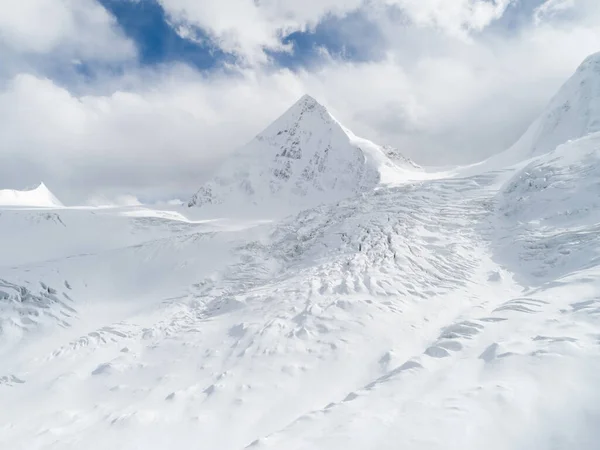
[146, 23]
[518, 15]
[352, 37]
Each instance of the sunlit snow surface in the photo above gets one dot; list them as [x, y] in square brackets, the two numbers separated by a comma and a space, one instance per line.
[451, 313]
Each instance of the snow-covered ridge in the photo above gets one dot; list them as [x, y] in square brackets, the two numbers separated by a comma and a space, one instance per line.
[574, 112]
[307, 157]
[37, 197]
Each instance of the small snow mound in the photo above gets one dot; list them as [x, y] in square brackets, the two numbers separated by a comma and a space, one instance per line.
[37, 197]
[306, 157]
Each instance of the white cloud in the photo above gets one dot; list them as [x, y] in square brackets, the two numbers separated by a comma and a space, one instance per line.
[74, 28]
[582, 11]
[552, 8]
[455, 17]
[247, 28]
[158, 139]
[119, 200]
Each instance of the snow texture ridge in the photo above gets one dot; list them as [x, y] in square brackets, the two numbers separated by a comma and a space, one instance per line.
[38, 197]
[305, 157]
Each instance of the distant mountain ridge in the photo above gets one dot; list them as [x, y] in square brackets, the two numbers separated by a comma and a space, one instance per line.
[36, 197]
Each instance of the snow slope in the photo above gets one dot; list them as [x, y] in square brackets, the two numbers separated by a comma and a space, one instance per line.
[306, 158]
[574, 112]
[551, 207]
[460, 312]
[38, 197]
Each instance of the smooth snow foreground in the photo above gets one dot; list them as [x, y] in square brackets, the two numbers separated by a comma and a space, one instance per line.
[461, 312]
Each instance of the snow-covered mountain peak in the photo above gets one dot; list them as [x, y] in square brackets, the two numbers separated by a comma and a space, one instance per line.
[305, 157]
[39, 196]
[309, 101]
[306, 114]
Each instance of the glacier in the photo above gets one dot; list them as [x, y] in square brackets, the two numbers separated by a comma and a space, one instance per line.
[320, 292]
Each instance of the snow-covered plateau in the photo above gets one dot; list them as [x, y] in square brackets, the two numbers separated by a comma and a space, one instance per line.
[322, 292]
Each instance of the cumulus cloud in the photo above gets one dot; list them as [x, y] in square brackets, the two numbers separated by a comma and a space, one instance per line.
[445, 87]
[78, 28]
[455, 17]
[248, 28]
[158, 139]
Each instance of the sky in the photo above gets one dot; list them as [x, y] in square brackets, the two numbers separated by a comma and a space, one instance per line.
[108, 101]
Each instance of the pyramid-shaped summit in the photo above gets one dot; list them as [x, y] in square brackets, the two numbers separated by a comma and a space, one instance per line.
[305, 157]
